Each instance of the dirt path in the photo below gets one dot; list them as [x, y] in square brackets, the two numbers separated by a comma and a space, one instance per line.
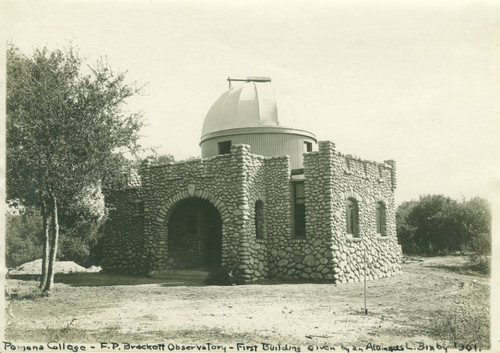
[400, 309]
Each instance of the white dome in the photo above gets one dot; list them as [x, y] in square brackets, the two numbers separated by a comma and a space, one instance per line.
[253, 104]
[248, 114]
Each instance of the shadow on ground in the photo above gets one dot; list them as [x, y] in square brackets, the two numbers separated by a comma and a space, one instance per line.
[463, 270]
[172, 278]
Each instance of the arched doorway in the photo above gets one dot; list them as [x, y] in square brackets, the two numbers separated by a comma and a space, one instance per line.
[194, 235]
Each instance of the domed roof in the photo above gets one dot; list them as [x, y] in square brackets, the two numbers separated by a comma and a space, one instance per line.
[252, 104]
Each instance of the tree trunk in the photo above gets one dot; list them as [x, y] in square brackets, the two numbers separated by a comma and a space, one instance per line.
[53, 247]
[46, 244]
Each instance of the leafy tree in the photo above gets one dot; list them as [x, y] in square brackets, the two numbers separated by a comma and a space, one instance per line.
[428, 221]
[161, 159]
[438, 224]
[476, 230]
[406, 231]
[65, 127]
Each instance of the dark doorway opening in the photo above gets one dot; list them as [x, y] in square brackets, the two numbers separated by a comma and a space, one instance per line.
[194, 235]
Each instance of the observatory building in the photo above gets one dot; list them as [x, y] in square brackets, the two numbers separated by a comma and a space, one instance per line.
[265, 201]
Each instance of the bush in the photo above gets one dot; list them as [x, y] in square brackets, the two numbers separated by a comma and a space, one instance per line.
[477, 262]
[222, 276]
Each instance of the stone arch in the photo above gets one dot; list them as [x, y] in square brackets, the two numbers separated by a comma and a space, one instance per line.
[379, 198]
[351, 194]
[256, 197]
[169, 204]
[160, 222]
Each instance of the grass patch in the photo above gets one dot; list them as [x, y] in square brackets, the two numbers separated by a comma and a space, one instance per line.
[466, 323]
[23, 293]
[469, 270]
[69, 333]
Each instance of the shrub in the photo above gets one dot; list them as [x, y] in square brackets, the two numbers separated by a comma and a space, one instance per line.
[478, 262]
[223, 276]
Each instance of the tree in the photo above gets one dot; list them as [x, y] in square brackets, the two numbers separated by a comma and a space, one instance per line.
[438, 224]
[476, 228]
[65, 128]
[405, 230]
[428, 219]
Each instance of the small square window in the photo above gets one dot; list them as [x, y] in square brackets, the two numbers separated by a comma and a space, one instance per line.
[224, 147]
[308, 146]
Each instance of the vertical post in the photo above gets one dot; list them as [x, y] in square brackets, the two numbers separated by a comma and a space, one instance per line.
[364, 272]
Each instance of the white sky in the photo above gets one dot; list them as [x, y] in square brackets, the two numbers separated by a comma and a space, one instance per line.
[406, 80]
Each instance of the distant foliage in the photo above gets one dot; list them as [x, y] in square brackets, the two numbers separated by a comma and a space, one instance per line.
[78, 239]
[162, 159]
[155, 158]
[23, 238]
[79, 243]
[436, 225]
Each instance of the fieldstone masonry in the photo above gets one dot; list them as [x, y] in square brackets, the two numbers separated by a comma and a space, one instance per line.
[137, 232]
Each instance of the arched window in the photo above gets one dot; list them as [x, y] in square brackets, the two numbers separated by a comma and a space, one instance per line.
[380, 218]
[259, 219]
[352, 220]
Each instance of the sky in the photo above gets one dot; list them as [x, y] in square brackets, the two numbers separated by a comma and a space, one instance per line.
[417, 82]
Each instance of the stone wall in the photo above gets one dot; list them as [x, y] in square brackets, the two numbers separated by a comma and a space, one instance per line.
[220, 180]
[368, 183]
[123, 243]
[233, 183]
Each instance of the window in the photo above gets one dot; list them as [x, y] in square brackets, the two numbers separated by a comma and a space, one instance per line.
[380, 218]
[224, 147]
[308, 146]
[352, 217]
[259, 219]
[299, 209]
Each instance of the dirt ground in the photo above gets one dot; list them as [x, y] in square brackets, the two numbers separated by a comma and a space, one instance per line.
[97, 307]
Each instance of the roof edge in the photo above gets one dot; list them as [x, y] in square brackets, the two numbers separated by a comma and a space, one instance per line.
[258, 130]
